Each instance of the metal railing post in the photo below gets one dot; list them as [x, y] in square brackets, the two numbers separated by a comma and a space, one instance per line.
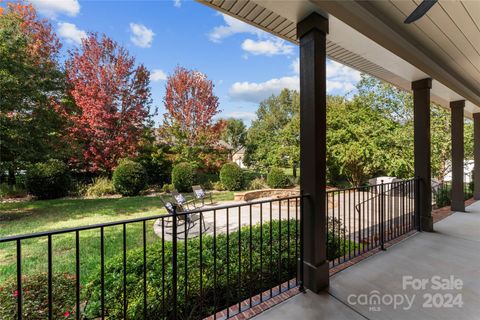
[417, 192]
[301, 270]
[382, 215]
[174, 261]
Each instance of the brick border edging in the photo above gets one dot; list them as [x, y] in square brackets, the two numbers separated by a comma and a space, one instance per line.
[258, 307]
[441, 213]
[437, 214]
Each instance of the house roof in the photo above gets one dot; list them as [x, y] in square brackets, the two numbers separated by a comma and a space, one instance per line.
[371, 37]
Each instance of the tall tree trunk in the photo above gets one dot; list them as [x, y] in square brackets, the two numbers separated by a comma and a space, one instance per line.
[11, 176]
[294, 170]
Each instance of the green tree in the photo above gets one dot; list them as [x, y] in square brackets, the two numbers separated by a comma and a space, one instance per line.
[31, 85]
[273, 138]
[397, 105]
[234, 134]
[155, 157]
[361, 143]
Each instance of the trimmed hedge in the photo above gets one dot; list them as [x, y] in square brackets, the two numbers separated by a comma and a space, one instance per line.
[183, 177]
[276, 179]
[235, 280]
[228, 289]
[231, 176]
[48, 180]
[129, 178]
[35, 297]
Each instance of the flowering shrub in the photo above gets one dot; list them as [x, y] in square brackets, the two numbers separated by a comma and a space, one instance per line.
[35, 297]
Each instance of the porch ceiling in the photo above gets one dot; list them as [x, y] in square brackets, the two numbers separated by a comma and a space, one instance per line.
[370, 36]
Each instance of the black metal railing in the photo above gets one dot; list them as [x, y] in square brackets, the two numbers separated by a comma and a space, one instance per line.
[209, 261]
[365, 218]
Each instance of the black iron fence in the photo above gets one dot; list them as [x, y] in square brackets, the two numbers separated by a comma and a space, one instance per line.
[209, 262]
[365, 218]
[185, 265]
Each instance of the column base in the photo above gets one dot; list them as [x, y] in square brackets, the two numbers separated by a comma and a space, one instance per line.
[458, 206]
[316, 278]
[427, 223]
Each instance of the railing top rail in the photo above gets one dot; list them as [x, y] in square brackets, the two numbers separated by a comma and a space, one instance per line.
[236, 205]
[373, 185]
[135, 220]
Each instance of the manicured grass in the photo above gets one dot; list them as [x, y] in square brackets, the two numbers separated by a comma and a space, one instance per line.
[36, 216]
[289, 171]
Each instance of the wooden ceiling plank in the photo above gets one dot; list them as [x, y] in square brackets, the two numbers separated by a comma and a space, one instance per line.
[446, 51]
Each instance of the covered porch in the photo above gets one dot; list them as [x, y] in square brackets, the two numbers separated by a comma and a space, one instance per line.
[437, 59]
[450, 251]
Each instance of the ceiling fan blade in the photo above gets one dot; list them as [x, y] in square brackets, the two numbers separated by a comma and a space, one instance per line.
[420, 11]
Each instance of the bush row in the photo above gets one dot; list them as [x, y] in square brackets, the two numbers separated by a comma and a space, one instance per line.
[52, 179]
[223, 280]
[35, 297]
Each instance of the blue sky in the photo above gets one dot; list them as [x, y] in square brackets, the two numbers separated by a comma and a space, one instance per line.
[246, 64]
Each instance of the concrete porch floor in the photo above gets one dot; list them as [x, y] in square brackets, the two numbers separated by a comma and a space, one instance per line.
[452, 250]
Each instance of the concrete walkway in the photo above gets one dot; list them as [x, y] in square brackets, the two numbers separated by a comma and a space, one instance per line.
[445, 265]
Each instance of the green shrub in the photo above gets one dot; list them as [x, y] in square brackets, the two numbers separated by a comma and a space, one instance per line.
[48, 180]
[250, 175]
[100, 187]
[35, 296]
[337, 245]
[231, 176]
[207, 180]
[168, 187]
[15, 191]
[220, 282]
[276, 178]
[218, 186]
[443, 196]
[129, 178]
[257, 184]
[183, 177]
[280, 268]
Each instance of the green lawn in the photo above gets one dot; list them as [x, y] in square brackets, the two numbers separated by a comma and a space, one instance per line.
[35, 216]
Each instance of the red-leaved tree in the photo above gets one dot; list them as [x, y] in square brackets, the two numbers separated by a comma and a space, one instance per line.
[189, 123]
[111, 103]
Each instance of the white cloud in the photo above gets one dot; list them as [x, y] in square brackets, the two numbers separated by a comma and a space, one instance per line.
[141, 35]
[258, 91]
[52, 8]
[71, 33]
[242, 115]
[267, 47]
[340, 77]
[232, 26]
[295, 66]
[158, 75]
[177, 3]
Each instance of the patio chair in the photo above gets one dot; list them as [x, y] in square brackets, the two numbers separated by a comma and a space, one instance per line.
[200, 194]
[181, 200]
[185, 218]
